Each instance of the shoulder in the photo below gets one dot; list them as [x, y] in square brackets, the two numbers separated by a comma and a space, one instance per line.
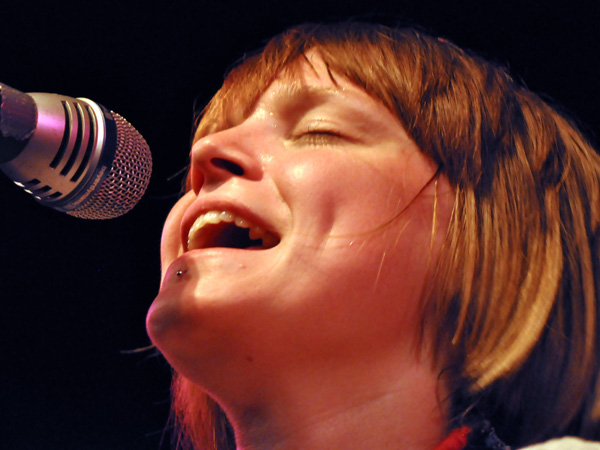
[568, 443]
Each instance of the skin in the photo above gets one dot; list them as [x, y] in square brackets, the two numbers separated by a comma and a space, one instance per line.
[311, 343]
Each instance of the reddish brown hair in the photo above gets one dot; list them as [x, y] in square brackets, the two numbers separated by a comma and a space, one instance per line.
[513, 305]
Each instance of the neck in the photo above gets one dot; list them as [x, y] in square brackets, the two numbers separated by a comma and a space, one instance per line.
[375, 405]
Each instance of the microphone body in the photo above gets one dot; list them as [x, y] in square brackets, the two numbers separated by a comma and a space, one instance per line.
[72, 154]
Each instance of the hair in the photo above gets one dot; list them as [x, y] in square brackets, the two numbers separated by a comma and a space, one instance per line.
[512, 306]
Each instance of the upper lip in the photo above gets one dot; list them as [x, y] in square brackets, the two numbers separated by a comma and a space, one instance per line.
[199, 208]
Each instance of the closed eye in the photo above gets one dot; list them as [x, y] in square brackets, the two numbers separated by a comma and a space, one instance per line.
[320, 137]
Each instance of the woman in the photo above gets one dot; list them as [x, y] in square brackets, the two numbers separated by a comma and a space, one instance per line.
[385, 243]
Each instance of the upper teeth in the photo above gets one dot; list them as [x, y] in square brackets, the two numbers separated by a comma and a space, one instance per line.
[213, 217]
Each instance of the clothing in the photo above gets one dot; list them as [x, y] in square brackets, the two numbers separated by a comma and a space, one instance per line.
[568, 443]
[465, 438]
[484, 438]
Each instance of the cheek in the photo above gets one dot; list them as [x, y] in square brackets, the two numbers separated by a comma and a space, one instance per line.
[346, 192]
[170, 244]
[386, 190]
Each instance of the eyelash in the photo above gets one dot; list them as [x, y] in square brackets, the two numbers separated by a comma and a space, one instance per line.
[319, 137]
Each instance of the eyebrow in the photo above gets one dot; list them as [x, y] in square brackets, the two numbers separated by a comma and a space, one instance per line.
[295, 92]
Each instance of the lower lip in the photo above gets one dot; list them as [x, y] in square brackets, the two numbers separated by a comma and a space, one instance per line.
[224, 252]
[220, 252]
[225, 249]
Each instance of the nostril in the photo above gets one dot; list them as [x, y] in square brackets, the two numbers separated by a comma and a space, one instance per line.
[228, 166]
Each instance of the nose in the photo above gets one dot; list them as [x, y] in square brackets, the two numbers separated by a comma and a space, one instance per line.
[221, 156]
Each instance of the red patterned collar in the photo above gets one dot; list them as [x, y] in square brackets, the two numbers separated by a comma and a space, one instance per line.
[456, 440]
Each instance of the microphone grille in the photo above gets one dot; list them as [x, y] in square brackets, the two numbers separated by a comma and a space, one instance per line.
[127, 180]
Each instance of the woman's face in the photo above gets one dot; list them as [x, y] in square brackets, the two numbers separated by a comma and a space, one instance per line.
[341, 203]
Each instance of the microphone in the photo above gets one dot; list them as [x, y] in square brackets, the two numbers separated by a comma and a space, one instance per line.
[72, 154]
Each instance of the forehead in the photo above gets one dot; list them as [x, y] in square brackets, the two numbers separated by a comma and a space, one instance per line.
[310, 84]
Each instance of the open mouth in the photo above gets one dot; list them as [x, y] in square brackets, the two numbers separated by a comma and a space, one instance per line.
[226, 229]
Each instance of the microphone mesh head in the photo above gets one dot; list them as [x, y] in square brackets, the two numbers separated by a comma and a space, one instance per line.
[127, 180]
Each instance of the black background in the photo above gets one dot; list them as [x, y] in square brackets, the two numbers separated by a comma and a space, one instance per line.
[74, 293]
